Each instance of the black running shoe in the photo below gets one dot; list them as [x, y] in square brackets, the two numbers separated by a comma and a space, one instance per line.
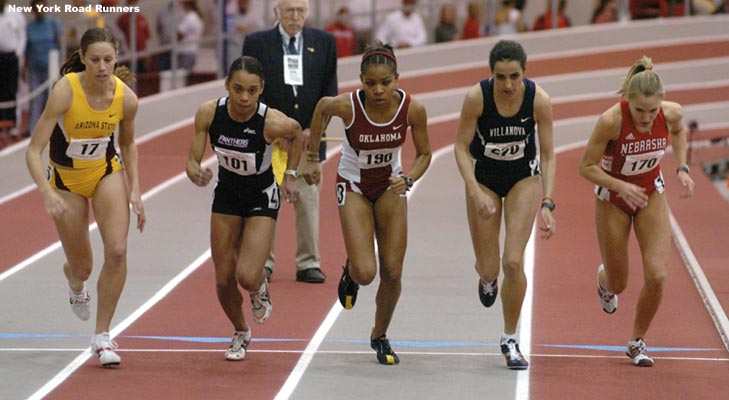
[487, 292]
[347, 289]
[385, 355]
[514, 359]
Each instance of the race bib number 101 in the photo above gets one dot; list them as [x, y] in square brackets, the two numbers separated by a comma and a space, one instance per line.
[237, 162]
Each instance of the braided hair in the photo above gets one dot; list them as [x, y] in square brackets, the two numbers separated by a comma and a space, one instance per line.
[378, 54]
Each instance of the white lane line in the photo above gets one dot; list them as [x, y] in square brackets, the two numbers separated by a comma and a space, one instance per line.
[81, 359]
[701, 281]
[525, 328]
[311, 349]
[298, 372]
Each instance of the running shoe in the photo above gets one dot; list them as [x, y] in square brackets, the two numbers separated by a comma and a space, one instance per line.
[239, 344]
[80, 303]
[487, 292]
[608, 301]
[385, 355]
[636, 351]
[347, 289]
[261, 303]
[104, 347]
[514, 358]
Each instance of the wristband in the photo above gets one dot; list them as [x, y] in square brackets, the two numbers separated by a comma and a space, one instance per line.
[548, 204]
[408, 181]
[312, 156]
[685, 169]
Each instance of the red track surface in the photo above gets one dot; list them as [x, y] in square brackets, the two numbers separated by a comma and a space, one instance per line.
[563, 288]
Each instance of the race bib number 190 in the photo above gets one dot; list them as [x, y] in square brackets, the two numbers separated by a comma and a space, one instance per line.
[375, 158]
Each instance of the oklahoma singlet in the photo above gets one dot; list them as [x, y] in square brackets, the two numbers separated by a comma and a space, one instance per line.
[245, 186]
[504, 147]
[82, 147]
[371, 151]
[634, 157]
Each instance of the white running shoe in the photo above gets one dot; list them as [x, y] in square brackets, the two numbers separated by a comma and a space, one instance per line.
[261, 303]
[636, 351]
[608, 301]
[239, 344]
[80, 304]
[104, 347]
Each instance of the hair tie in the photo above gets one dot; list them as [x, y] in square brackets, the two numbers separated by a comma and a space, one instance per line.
[384, 53]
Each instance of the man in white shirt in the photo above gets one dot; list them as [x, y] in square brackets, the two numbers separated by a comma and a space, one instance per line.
[361, 22]
[403, 28]
[12, 47]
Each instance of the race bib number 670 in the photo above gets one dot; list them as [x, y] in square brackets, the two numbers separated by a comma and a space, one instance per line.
[505, 151]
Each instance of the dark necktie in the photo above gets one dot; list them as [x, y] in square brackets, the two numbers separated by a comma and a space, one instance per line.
[292, 46]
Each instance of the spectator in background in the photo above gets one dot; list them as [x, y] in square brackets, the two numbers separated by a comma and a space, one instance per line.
[723, 9]
[167, 20]
[343, 33]
[44, 34]
[12, 46]
[508, 19]
[544, 21]
[361, 22]
[403, 28]
[189, 33]
[311, 55]
[89, 19]
[446, 30]
[646, 9]
[606, 11]
[472, 27]
[141, 32]
[241, 23]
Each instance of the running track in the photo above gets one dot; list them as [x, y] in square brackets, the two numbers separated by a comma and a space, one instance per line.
[564, 313]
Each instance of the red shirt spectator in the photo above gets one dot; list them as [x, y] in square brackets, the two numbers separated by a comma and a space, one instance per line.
[472, 27]
[142, 27]
[343, 33]
[544, 21]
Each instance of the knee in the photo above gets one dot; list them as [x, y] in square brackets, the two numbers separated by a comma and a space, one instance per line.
[391, 275]
[82, 269]
[363, 274]
[617, 284]
[656, 279]
[116, 253]
[512, 266]
[248, 280]
[225, 283]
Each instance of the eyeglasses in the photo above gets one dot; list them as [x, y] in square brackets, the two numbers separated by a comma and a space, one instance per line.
[289, 12]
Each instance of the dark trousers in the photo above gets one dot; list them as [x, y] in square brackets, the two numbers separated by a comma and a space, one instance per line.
[8, 84]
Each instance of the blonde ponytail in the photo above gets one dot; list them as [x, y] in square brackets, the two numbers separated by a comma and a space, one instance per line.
[641, 80]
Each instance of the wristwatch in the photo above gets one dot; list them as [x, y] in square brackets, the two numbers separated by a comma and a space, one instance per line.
[408, 180]
[549, 205]
[292, 172]
[685, 169]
